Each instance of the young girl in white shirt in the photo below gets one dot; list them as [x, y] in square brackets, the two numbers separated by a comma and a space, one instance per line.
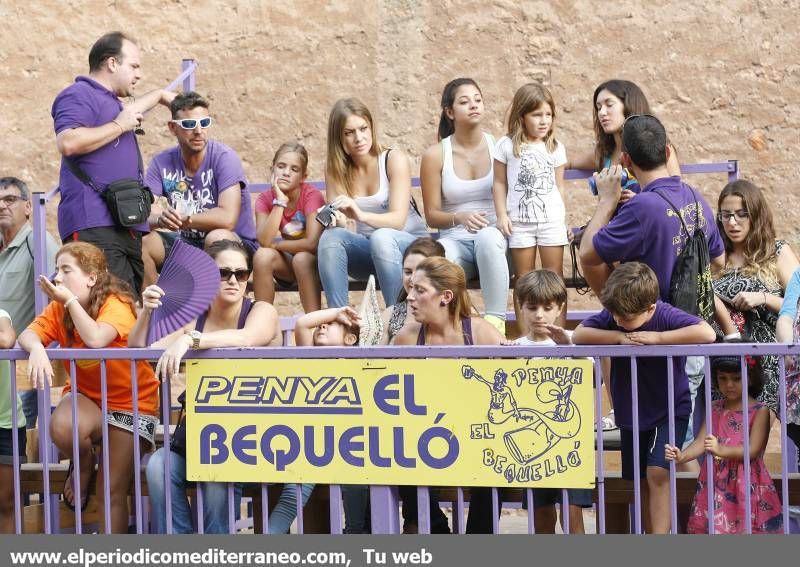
[528, 180]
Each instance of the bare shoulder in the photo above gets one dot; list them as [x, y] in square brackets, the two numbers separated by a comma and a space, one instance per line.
[432, 155]
[261, 310]
[408, 334]
[485, 333]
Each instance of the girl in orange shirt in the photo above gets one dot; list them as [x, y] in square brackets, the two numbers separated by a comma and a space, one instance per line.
[92, 308]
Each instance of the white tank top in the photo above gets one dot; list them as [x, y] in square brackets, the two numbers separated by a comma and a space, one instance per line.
[379, 204]
[466, 194]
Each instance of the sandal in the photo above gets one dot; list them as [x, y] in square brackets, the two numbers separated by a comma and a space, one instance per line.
[84, 492]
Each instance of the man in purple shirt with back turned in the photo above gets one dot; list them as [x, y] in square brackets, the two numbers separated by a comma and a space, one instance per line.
[645, 229]
[204, 185]
[94, 129]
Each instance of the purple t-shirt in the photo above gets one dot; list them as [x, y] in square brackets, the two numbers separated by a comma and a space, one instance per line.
[88, 104]
[220, 170]
[646, 229]
[651, 371]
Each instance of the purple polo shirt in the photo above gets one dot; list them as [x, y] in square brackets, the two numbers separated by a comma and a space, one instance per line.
[88, 104]
[651, 371]
[646, 229]
[221, 169]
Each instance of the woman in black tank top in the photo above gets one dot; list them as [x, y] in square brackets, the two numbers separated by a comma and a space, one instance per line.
[440, 304]
[231, 320]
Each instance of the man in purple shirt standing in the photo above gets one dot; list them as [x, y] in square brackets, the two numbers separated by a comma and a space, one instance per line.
[645, 229]
[94, 129]
[204, 185]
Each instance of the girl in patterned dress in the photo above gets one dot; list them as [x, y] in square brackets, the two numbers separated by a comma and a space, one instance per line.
[725, 447]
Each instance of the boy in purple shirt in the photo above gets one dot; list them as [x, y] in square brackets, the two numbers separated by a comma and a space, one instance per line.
[94, 129]
[634, 315]
[204, 185]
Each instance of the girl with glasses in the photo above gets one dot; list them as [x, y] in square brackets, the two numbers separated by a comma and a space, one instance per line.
[758, 268]
[371, 186]
[232, 320]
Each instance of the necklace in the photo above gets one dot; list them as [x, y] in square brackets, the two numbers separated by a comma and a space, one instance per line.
[470, 155]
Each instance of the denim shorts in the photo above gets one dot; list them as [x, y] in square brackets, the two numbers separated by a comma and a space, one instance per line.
[651, 447]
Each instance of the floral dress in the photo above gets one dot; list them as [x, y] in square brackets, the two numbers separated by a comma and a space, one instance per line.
[758, 324]
[730, 485]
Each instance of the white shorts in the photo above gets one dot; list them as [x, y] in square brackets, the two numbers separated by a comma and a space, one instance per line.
[528, 234]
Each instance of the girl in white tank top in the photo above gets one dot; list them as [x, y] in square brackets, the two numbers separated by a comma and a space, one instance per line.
[457, 175]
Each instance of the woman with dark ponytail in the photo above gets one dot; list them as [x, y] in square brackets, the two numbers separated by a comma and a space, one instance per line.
[456, 176]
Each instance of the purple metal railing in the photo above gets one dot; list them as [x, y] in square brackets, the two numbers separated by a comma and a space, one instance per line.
[384, 501]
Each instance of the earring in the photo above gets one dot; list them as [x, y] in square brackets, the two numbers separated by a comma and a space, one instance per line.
[442, 303]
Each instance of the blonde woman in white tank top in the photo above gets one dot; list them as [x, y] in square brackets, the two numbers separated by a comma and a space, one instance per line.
[373, 188]
[456, 176]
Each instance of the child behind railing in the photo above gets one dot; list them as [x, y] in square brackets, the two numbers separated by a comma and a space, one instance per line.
[633, 315]
[725, 453]
[542, 296]
[337, 326]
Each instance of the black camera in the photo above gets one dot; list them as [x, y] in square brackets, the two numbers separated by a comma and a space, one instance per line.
[325, 215]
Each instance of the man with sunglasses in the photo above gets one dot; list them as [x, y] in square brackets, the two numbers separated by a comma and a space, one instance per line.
[646, 229]
[17, 278]
[206, 192]
[95, 134]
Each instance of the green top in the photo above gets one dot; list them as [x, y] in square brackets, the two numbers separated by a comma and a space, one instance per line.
[5, 389]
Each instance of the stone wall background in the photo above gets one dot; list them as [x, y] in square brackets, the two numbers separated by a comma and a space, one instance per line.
[723, 76]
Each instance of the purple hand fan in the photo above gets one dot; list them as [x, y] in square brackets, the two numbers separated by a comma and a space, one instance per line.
[190, 280]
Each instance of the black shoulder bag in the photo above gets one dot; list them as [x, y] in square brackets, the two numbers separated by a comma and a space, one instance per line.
[128, 200]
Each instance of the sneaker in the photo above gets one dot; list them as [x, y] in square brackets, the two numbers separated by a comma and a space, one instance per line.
[609, 424]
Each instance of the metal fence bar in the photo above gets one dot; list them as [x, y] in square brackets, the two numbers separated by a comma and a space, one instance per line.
[784, 447]
[335, 491]
[746, 446]
[387, 510]
[673, 489]
[601, 475]
[105, 447]
[76, 459]
[15, 455]
[423, 510]
[137, 451]
[637, 480]
[708, 459]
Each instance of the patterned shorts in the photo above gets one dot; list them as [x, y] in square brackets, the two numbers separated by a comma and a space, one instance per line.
[124, 420]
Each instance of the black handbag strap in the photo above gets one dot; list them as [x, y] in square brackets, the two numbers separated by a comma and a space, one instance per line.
[81, 175]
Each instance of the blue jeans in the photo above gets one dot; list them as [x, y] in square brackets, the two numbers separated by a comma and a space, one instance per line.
[285, 511]
[215, 498]
[485, 256]
[341, 253]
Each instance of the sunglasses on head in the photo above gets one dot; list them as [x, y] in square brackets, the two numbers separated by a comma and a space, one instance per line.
[241, 275]
[191, 123]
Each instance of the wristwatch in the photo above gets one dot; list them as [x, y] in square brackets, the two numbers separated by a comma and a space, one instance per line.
[277, 203]
[195, 336]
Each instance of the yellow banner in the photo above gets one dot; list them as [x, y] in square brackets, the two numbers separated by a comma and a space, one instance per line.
[438, 422]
